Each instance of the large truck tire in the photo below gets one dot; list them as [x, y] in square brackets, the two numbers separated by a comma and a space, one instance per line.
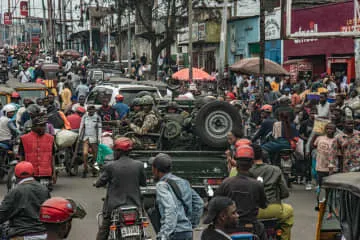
[214, 120]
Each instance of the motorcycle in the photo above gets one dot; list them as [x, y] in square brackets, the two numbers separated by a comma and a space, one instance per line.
[126, 224]
[272, 228]
[287, 161]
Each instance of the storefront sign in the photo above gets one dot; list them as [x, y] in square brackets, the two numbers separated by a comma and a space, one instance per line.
[183, 35]
[349, 26]
[273, 25]
[24, 11]
[313, 28]
[7, 18]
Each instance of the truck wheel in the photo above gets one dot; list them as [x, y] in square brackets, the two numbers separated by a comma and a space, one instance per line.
[172, 130]
[214, 120]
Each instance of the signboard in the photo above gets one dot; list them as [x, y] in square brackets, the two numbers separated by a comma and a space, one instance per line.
[273, 25]
[7, 18]
[24, 10]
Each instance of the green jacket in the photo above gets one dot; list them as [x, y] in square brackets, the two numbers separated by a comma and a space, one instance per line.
[273, 180]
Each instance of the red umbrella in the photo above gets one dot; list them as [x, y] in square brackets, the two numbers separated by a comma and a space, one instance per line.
[198, 75]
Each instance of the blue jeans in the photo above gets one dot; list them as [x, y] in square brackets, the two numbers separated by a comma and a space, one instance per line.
[182, 236]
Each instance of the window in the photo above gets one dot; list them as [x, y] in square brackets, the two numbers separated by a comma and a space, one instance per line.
[32, 94]
[96, 96]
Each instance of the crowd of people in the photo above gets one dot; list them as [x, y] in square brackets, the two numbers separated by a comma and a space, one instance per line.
[318, 119]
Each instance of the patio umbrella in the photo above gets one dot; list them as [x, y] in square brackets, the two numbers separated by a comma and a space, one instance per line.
[198, 75]
[70, 53]
[251, 66]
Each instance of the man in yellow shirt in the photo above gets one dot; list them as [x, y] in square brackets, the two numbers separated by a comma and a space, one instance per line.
[66, 96]
[275, 85]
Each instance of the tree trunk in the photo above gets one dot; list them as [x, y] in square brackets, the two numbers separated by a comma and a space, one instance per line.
[155, 51]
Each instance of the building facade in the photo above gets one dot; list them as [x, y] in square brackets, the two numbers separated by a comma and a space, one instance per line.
[331, 55]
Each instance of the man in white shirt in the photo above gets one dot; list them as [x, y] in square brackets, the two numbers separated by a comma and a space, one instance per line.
[24, 75]
[323, 107]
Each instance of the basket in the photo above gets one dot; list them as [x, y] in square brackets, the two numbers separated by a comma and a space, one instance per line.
[320, 125]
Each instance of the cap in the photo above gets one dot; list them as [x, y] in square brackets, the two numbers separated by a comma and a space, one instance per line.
[15, 95]
[242, 141]
[80, 109]
[216, 206]
[231, 95]
[162, 162]
[24, 170]
[244, 151]
[124, 144]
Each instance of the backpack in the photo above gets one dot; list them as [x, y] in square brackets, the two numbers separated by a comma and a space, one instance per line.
[55, 119]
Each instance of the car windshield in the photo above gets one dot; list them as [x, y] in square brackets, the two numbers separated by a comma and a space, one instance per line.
[32, 94]
[51, 75]
[130, 94]
[96, 96]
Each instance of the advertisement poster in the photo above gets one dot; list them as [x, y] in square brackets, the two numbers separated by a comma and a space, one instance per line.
[24, 10]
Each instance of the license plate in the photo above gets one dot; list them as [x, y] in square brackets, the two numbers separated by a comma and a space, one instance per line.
[130, 231]
[286, 163]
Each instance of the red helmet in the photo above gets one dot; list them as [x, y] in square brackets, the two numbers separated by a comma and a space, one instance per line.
[80, 110]
[266, 108]
[242, 142]
[56, 210]
[24, 170]
[119, 97]
[244, 151]
[15, 95]
[124, 144]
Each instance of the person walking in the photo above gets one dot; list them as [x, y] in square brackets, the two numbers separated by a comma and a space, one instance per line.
[90, 135]
[179, 206]
[66, 96]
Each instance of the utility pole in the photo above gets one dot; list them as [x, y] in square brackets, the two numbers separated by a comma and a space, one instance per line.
[223, 41]
[45, 35]
[129, 41]
[90, 32]
[262, 48]
[108, 39]
[72, 23]
[60, 24]
[190, 51]
[63, 24]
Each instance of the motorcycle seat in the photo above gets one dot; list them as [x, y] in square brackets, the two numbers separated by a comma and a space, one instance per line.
[286, 152]
[4, 146]
[269, 221]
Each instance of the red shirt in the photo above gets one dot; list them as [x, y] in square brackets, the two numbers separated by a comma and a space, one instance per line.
[74, 120]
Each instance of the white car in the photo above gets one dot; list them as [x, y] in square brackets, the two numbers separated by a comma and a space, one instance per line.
[129, 91]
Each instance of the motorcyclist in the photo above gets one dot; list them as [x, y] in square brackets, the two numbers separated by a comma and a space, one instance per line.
[267, 124]
[123, 179]
[247, 193]
[21, 205]
[7, 125]
[276, 190]
[57, 213]
[75, 118]
[121, 108]
[37, 147]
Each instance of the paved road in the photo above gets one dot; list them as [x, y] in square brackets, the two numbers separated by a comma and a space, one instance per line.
[82, 190]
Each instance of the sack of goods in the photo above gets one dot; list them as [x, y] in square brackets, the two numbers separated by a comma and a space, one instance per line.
[320, 125]
[65, 138]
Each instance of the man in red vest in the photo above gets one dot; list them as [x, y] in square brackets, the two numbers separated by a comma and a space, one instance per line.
[37, 147]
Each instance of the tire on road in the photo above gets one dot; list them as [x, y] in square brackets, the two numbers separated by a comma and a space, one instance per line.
[11, 181]
[214, 120]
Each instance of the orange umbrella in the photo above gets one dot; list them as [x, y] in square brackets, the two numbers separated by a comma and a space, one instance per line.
[198, 75]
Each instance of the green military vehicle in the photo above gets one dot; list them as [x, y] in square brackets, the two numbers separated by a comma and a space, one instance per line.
[197, 145]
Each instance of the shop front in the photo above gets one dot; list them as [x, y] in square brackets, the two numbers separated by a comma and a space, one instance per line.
[330, 55]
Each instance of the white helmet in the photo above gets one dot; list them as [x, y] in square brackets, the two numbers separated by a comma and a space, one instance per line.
[9, 108]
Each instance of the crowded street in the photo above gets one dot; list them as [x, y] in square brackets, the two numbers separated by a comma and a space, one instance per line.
[180, 120]
[82, 190]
